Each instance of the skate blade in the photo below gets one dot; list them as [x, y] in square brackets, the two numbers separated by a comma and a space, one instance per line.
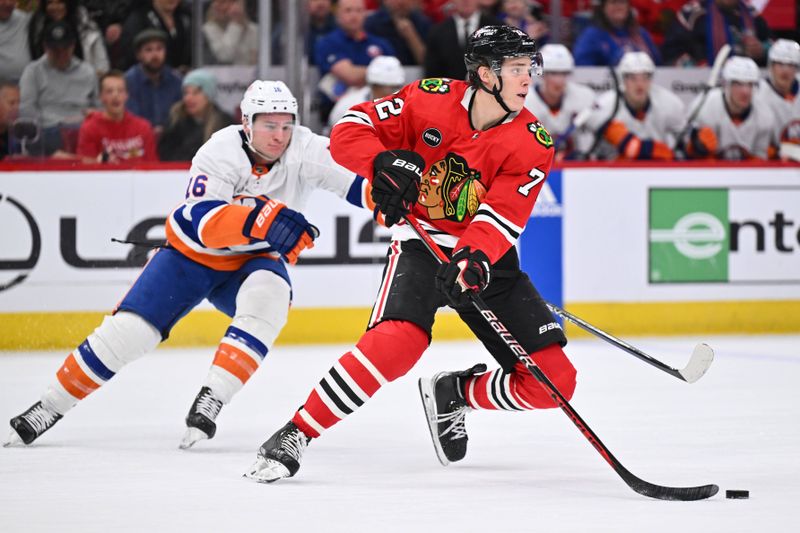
[429, 405]
[191, 437]
[267, 471]
[13, 441]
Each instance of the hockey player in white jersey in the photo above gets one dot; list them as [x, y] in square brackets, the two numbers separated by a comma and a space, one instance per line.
[228, 242]
[385, 75]
[556, 102]
[743, 125]
[648, 117]
[780, 92]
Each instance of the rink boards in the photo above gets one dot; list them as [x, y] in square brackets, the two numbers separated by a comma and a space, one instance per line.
[636, 250]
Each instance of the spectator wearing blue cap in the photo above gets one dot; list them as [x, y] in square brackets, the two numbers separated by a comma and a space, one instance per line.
[194, 119]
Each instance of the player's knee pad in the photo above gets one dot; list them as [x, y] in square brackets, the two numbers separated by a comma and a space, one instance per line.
[559, 370]
[262, 306]
[122, 338]
[394, 347]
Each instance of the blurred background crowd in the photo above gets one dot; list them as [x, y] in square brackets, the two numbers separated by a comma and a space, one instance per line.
[151, 80]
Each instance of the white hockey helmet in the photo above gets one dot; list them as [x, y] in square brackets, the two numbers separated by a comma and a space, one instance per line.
[557, 58]
[386, 70]
[784, 51]
[635, 63]
[264, 96]
[741, 69]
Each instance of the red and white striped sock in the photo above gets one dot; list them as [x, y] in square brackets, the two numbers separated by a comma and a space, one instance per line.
[383, 354]
[518, 390]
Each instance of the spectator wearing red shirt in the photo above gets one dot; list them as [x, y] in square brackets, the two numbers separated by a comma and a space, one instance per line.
[114, 134]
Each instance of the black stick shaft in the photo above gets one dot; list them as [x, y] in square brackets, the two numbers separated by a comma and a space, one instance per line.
[642, 487]
[619, 343]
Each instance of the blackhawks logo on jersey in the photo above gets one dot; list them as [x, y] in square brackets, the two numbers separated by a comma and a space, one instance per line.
[450, 189]
[542, 135]
[435, 85]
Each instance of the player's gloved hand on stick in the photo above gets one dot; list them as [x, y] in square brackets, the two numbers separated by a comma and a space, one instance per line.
[703, 141]
[468, 270]
[395, 185]
[286, 230]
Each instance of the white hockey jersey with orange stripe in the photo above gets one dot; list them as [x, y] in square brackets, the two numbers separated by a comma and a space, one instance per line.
[223, 173]
[752, 137]
[786, 111]
[661, 121]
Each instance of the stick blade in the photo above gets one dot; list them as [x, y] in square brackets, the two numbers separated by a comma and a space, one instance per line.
[701, 360]
[683, 494]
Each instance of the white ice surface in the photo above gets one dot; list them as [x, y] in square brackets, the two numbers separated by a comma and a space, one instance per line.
[112, 464]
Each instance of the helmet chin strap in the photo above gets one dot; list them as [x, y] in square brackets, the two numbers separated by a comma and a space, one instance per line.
[496, 93]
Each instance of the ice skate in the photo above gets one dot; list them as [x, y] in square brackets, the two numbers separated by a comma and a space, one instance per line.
[279, 457]
[28, 426]
[200, 423]
[445, 409]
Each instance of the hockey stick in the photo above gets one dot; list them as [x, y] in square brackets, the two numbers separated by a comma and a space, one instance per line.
[701, 359]
[713, 78]
[639, 485]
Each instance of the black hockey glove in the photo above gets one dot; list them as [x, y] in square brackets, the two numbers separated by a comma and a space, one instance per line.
[467, 271]
[395, 185]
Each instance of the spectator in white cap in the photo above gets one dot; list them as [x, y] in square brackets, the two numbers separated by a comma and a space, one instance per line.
[780, 91]
[385, 75]
[193, 119]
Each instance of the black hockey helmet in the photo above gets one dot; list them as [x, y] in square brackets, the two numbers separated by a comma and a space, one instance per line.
[490, 45]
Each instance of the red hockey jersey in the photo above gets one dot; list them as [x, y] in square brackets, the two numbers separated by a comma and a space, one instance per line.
[479, 187]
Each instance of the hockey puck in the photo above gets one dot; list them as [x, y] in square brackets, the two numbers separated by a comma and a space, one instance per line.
[737, 494]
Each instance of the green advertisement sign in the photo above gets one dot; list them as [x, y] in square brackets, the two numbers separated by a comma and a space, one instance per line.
[688, 235]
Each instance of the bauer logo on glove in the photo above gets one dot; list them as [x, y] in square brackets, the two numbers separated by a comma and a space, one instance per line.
[395, 183]
[287, 231]
[408, 166]
[267, 213]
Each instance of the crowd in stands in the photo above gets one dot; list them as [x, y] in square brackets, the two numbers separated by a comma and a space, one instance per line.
[112, 80]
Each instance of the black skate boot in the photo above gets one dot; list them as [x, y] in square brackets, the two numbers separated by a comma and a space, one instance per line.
[445, 408]
[279, 457]
[200, 420]
[28, 426]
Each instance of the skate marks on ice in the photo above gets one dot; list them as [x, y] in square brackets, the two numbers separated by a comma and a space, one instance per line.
[115, 455]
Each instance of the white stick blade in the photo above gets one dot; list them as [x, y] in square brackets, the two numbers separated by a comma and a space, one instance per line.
[702, 357]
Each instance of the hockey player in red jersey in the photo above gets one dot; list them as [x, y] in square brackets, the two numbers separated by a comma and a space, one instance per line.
[468, 161]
